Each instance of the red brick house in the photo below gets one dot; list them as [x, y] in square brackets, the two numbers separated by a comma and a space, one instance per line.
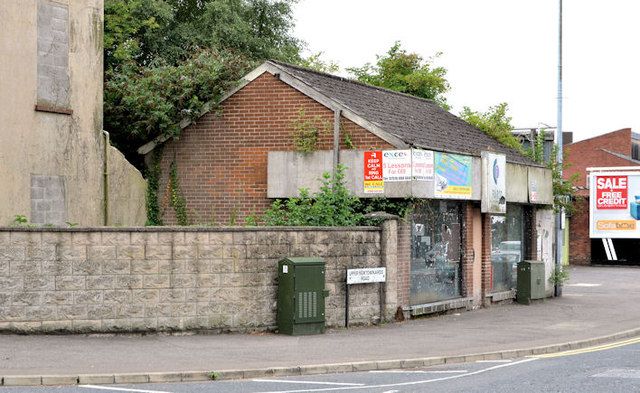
[232, 162]
[615, 149]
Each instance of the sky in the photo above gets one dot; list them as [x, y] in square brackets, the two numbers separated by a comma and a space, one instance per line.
[500, 51]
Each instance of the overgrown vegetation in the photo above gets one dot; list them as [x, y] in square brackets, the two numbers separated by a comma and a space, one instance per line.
[558, 276]
[494, 122]
[153, 173]
[333, 205]
[406, 73]
[306, 130]
[175, 196]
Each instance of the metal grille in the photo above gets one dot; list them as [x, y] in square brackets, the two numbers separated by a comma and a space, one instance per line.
[307, 305]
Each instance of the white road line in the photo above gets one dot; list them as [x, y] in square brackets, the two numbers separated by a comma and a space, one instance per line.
[406, 383]
[308, 382]
[418, 371]
[120, 389]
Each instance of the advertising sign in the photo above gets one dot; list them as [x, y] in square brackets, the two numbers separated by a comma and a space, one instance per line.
[396, 165]
[422, 165]
[615, 205]
[452, 176]
[494, 187]
[373, 182]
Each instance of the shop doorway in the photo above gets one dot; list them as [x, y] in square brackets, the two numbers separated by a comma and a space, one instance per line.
[435, 252]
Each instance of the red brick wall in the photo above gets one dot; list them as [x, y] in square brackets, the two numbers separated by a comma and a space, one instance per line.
[582, 155]
[222, 158]
[404, 261]
[467, 250]
[486, 257]
[579, 240]
[585, 154]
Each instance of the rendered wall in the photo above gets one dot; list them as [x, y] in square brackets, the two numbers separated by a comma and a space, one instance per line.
[173, 279]
[60, 153]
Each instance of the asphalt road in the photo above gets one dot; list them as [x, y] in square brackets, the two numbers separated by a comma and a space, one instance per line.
[613, 367]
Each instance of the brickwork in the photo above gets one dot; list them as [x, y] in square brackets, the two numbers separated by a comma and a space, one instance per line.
[404, 261]
[583, 155]
[222, 158]
[486, 257]
[174, 279]
[579, 240]
[467, 250]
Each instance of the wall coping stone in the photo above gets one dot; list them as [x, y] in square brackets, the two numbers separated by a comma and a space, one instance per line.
[187, 229]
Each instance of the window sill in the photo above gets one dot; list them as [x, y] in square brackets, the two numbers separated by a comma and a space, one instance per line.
[51, 109]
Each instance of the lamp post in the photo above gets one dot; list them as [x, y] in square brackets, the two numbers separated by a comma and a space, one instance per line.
[559, 215]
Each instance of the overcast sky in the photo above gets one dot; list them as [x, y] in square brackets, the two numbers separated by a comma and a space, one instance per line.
[500, 51]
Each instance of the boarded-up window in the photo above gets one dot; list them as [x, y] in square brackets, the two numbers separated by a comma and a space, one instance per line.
[53, 57]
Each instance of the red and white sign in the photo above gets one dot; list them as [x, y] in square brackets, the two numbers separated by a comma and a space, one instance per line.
[373, 182]
[611, 192]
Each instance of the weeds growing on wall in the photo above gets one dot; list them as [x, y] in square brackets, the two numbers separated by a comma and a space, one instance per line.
[176, 197]
[306, 131]
[153, 186]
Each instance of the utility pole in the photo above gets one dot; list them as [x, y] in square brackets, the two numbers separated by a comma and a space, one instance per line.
[559, 215]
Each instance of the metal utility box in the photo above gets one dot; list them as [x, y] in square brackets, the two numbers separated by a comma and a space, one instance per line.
[530, 281]
[301, 296]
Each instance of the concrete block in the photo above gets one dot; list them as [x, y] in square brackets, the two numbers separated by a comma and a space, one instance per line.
[185, 252]
[165, 377]
[22, 380]
[101, 252]
[389, 365]
[257, 373]
[314, 370]
[96, 379]
[230, 374]
[364, 366]
[131, 378]
[196, 376]
[59, 379]
[130, 252]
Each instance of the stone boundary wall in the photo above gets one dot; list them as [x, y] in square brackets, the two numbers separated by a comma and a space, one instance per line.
[90, 280]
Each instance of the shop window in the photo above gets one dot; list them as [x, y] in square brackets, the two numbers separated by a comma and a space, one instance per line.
[507, 247]
[435, 252]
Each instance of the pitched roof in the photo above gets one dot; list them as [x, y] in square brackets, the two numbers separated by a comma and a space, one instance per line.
[417, 122]
[402, 120]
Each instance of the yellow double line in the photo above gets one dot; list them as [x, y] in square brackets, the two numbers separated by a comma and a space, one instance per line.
[590, 349]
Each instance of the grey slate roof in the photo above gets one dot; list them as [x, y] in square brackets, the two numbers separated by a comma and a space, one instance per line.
[416, 121]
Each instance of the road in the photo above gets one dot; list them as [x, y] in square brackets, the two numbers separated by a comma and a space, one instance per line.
[612, 367]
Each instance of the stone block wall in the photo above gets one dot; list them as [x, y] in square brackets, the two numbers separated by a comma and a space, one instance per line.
[174, 279]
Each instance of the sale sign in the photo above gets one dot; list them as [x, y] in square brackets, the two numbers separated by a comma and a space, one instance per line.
[373, 181]
[611, 192]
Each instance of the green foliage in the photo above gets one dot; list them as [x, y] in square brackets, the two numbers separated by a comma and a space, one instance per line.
[305, 131]
[494, 123]
[153, 173]
[147, 30]
[399, 207]
[563, 190]
[176, 197]
[71, 224]
[22, 221]
[558, 276]
[407, 73]
[315, 62]
[142, 103]
[333, 205]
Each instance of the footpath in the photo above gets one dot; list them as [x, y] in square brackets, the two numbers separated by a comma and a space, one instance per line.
[598, 305]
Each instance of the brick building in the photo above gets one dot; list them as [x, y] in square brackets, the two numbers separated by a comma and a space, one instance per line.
[232, 162]
[615, 149]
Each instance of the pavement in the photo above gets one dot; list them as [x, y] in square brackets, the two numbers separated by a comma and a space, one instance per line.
[598, 305]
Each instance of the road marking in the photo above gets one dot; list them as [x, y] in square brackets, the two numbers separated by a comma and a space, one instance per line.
[406, 383]
[307, 382]
[120, 389]
[419, 371]
[588, 350]
[619, 373]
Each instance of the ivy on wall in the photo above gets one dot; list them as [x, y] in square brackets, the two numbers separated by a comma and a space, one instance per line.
[154, 172]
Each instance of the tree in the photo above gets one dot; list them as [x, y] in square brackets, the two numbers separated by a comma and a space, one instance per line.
[145, 102]
[145, 30]
[407, 73]
[494, 122]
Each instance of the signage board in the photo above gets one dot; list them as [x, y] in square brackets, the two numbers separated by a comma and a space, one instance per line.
[396, 165]
[614, 210]
[422, 165]
[494, 186]
[452, 176]
[373, 180]
[366, 276]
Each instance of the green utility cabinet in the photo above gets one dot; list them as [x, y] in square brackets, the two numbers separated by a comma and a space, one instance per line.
[301, 296]
[530, 281]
